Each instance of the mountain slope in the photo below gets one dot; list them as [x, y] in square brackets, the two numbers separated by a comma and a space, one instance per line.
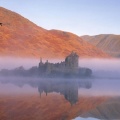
[107, 42]
[20, 37]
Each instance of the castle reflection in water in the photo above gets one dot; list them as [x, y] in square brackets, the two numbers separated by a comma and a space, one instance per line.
[67, 87]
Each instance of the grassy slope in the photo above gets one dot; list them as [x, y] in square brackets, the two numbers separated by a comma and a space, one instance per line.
[20, 37]
[108, 43]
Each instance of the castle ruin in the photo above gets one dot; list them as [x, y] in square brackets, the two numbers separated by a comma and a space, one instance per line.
[69, 66]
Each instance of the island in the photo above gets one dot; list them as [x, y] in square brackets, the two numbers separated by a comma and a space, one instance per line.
[69, 68]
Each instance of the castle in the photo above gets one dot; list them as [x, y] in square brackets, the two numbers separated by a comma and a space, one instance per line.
[69, 67]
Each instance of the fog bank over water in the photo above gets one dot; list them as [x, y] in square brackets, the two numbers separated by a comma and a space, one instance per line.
[13, 62]
[100, 67]
[109, 68]
[26, 85]
[101, 64]
[102, 87]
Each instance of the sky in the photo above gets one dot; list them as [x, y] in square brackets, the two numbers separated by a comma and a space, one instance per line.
[81, 17]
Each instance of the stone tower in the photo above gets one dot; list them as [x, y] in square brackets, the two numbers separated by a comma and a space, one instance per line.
[71, 61]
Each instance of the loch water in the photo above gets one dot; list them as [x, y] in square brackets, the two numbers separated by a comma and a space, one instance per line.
[59, 99]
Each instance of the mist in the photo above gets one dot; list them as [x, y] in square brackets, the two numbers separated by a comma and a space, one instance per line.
[105, 74]
[104, 87]
[102, 68]
[100, 64]
[13, 62]
[29, 85]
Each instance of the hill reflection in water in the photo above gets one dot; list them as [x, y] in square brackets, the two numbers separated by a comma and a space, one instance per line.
[58, 99]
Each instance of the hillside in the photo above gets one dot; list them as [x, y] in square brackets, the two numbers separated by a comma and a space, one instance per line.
[107, 42]
[20, 37]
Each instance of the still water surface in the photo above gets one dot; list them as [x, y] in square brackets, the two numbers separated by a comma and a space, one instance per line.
[59, 99]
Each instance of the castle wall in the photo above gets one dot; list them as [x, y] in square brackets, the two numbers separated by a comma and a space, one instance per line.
[70, 65]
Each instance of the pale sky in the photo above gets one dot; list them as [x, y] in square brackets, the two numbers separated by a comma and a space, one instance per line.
[81, 17]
